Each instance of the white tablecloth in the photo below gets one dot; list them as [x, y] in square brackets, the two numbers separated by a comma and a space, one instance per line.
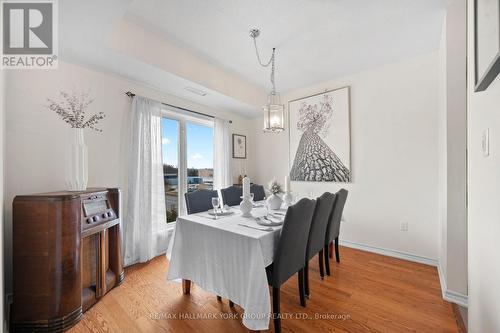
[227, 259]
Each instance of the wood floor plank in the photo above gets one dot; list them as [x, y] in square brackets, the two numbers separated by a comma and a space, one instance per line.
[367, 292]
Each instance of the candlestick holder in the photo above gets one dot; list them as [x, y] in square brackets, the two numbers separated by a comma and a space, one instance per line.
[288, 198]
[246, 206]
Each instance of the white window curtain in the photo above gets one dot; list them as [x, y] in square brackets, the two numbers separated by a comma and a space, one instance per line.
[144, 227]
[222, 154]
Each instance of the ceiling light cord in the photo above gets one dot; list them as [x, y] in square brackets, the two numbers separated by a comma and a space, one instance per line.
[270, 62]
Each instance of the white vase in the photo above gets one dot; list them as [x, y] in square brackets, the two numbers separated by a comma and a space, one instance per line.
[76, 164]
[274, 202]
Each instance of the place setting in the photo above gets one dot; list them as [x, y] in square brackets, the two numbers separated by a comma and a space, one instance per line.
[218, 211]
[266, 222]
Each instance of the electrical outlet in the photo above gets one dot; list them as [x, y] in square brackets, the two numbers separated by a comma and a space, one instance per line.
[404, 226]
[485, 142]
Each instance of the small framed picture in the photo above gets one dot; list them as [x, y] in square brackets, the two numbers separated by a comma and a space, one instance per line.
[239, 146]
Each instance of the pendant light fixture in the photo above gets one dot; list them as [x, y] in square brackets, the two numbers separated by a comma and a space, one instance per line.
[274, 111]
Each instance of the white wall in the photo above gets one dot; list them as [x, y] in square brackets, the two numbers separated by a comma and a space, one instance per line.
[442, 158]
[35, 136]
[453, 155]
[483, 112]
[456, 134]
[394, 135]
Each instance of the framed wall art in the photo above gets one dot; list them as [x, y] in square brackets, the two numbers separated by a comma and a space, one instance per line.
[320, 144]
[239, 146]
[487, 42]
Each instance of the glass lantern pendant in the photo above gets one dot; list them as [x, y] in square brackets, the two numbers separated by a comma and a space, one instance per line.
[274, 111]
[274, 120]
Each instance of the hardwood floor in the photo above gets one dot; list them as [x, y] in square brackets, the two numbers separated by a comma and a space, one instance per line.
[367, 292]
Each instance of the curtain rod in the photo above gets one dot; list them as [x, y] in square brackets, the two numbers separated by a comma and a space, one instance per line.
[131, 94]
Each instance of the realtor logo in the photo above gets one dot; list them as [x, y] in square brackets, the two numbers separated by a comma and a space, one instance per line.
[29, 34]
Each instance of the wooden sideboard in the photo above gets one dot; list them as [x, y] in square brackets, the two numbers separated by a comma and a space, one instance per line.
[66, 256]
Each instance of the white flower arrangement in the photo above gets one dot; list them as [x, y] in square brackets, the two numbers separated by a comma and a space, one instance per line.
[274, 187]
[71, 109]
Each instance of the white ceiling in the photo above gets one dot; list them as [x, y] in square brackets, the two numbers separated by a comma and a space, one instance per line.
[83, 29]
[316, 40]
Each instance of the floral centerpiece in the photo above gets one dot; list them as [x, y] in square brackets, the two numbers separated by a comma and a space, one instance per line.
[275, 187]
[72, 110]
[274, 201]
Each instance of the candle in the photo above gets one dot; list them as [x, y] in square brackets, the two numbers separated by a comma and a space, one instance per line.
[275, 121]
[246, 187]
[287, 184]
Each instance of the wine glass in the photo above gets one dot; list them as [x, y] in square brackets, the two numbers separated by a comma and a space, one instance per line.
[266, 205]
[215, 204]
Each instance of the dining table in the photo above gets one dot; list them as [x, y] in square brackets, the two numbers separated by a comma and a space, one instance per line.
[228, 256]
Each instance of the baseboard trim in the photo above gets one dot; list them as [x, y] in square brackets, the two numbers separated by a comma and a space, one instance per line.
[390, 253]
[451, 296]
[448, 295]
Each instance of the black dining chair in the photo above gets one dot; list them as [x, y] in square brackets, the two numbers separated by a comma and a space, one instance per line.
[258, 192]
[317, 233]
[231, 195]
[290, 253]
[199, 201]
[333, 228]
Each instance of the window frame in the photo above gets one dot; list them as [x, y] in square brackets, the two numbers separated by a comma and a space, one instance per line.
[183, 117]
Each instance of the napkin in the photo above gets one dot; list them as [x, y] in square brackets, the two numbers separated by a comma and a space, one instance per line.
[275, 218]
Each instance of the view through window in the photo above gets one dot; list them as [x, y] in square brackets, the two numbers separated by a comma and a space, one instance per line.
[199, 156]
[200, 159]
[170, 151]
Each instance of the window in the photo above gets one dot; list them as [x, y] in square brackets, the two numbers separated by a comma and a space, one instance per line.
[187, 148]
[200, 159]
[170, 151]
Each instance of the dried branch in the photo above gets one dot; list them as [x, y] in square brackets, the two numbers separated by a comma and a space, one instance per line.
[72, 108]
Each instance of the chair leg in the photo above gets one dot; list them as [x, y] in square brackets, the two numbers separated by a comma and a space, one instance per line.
[301, 288]
[327, 260]
[337, 253]
[306, 279]
[321, 268]
[276, 310]
[231, 304]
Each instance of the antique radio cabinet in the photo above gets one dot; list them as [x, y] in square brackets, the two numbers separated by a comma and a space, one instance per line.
[66, 256]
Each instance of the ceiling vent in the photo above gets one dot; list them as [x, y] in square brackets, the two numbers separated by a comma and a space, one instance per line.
[196, 91]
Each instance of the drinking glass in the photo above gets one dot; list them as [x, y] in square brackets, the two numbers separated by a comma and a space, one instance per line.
[215, 204]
